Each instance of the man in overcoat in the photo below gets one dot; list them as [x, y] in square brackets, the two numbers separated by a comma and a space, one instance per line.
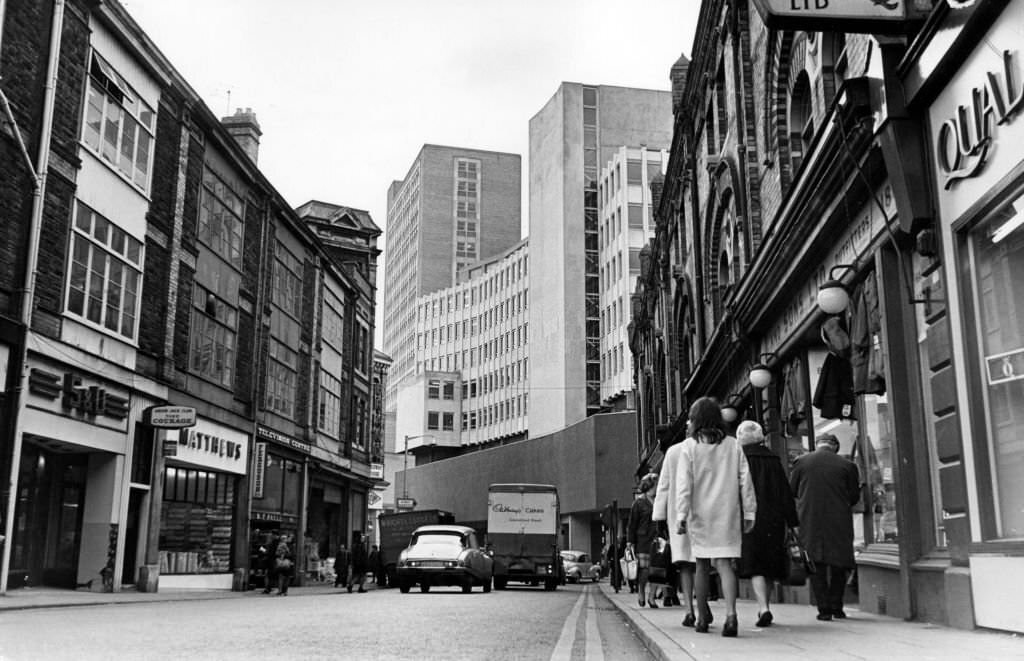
[826, 487]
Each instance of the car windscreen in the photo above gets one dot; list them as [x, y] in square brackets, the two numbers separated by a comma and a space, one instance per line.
[437, 539]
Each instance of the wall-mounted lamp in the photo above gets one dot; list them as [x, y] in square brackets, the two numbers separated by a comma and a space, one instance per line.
[729, 411]
[760, 376]
[832, 295]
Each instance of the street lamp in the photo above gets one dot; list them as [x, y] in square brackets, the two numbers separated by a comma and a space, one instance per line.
[405, 469]
[760, 375]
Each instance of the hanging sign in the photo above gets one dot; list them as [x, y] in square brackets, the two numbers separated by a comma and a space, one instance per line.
[169, 417]
[865, 16]
[259, 468]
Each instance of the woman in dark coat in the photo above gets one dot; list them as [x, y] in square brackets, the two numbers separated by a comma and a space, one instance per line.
[764, 548]
[641, 531]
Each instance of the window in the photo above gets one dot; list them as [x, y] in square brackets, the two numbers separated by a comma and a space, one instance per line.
[433, 421]
[220, 219]
[105, 273]
[212, 345]
[118, 125]
[633, 172]
[287, 288]
[329, 418]
[801, 120]
[996, 261]
[281, 378]
[448, 422]
[434, 389]
[449, 390]
[333, 322]
[636, 216]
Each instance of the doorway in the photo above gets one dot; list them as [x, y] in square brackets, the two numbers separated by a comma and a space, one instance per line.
[48, 518]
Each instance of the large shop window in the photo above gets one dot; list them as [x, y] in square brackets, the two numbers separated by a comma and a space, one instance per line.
[118, 125]
[105, 273]
[849, 399]
[996, 248]
[282, 484]
[195, 521]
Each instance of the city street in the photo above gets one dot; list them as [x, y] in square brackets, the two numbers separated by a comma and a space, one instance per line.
[576, 622]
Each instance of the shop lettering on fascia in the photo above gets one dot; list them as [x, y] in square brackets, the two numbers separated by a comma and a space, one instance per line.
[976, 122]
[212, 446]
[73, 395]
[281, 439]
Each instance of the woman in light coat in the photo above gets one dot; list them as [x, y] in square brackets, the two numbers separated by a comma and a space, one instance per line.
[715, 505]
[665, 509]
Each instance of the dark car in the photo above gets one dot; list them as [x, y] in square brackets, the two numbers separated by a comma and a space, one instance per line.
[444, 555]
[578, 566]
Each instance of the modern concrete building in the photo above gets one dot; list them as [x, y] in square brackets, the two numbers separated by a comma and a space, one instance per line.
[455, 207]
[577, 131]
[626, 225]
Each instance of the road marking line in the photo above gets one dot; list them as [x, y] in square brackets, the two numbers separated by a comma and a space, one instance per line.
[563, 648]
[592, 650]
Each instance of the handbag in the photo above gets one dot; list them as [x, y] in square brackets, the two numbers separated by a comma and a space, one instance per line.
[628, 564]
[800, 563]
[283, 564]
[661, 558]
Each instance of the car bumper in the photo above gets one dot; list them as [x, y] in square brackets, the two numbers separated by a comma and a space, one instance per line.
[434, 575]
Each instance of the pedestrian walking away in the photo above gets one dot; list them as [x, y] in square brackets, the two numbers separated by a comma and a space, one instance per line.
[826, 487]
[715, 505]
[763, 559]
[342, 566]
[641, 533]
[284, 564]
[666, 509]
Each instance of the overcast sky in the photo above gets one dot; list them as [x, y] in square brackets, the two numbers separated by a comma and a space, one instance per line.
[347, 91]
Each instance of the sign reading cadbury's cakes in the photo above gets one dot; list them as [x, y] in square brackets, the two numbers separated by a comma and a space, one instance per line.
[528, 512]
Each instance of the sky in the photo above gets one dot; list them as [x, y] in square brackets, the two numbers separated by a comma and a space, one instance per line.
[346, 92]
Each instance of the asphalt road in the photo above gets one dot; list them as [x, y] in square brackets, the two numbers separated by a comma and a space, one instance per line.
[573, 622]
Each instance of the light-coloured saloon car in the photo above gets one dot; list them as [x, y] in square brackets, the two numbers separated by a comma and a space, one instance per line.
[578, 567]
[444, 555]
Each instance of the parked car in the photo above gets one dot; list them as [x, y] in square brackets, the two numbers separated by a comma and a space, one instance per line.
[578, 566]
[444, 555]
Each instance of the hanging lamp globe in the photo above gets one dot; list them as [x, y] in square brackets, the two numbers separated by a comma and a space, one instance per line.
[760, 376]
[729, 413]
[833, 297]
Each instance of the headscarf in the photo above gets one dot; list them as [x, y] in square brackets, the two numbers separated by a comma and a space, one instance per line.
[749, 432]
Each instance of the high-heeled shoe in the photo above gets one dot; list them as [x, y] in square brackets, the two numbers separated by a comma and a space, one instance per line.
[689, 620]
[701, 626]
[729, 629]
[707, 616]
[652, 603]
[764, 619]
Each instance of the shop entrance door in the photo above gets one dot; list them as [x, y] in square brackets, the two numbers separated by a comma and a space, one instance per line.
[48, 523]
[136, 498]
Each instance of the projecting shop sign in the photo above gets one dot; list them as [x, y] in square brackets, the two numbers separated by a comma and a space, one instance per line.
[869, 16]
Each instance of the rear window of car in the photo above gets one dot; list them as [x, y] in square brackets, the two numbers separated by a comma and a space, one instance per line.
[440, 539]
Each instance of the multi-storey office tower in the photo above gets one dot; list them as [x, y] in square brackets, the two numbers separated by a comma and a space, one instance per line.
[579, 129]
[454, 207]
[626, 226]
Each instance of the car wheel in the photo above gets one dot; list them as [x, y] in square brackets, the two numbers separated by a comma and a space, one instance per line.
[500, 583]
[403, 588]
[467, 585]
[487, 584]
[550, 584]
[424, 587]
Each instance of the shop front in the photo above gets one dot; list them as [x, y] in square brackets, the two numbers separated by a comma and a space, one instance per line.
[199, 512]
[71, 475]
[976, 124]
[280, 466]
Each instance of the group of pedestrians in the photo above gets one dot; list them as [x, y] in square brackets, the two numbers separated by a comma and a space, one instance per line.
[277, 558]
[724, 503]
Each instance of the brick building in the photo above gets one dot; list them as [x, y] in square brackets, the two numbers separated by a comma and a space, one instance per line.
[152, 264]
[803, 160]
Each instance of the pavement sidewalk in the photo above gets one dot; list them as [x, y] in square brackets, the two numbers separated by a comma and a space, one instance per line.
[797, 634]
[26, 598]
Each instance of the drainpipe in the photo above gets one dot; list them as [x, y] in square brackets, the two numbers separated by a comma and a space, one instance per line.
[28, 293]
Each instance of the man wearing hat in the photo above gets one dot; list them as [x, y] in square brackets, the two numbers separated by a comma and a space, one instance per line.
[826, 487]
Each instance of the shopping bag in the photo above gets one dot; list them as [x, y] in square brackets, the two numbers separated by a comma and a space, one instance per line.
[628, 564]
[661, 557]
[800, 564]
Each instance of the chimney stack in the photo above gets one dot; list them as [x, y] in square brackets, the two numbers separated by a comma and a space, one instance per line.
[244, 128]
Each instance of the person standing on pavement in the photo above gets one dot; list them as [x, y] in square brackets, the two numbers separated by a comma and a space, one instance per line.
[269, 558]
[764, 548]
[359, 562]
[827, 487]
[285, 564]
[342, 566]
[641, 532]
[715, 505]
[665, 509]
[374, 562]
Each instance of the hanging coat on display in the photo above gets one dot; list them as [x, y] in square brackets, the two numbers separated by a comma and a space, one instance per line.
[834, 394]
